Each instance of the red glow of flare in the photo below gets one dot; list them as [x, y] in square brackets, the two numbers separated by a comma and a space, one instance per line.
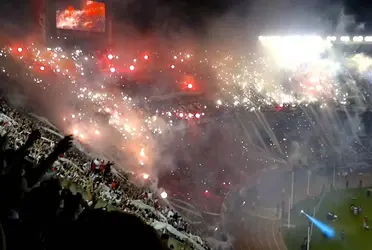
[146, 57]
[188, 83]
[279, 107]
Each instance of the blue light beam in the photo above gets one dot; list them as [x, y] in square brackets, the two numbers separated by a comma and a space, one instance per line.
[327, 230]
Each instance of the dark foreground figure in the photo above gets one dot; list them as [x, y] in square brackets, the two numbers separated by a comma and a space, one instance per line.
[37, 214]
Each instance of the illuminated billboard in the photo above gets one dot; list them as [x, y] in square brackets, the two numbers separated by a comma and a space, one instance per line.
[81, 15]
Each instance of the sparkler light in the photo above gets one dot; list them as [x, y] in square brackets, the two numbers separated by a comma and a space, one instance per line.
[164, 195]
[145, 176]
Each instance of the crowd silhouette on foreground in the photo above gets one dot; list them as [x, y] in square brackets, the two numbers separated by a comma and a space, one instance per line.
[39, 214]
[36, 212]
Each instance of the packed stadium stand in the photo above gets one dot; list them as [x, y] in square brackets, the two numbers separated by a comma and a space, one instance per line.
[37, 161]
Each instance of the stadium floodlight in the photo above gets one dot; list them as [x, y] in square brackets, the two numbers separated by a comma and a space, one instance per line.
[368, 39]
[274, 38]
[313, 38]
[357, 39]
[292, 38]
[345, 39]
[331, 38]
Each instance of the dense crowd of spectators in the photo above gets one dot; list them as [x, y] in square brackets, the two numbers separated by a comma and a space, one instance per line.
[40, 159]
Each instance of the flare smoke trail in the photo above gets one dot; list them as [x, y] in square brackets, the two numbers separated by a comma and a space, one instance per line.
[325, 229]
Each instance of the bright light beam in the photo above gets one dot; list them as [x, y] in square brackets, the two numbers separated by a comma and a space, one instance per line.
[325, 229]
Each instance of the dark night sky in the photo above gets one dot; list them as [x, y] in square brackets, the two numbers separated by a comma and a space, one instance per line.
[241, 15]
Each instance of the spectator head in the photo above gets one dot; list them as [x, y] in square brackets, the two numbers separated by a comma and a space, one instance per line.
[97, 229]
[41, 203]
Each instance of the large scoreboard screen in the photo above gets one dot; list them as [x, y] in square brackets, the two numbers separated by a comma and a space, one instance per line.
[81, 15]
